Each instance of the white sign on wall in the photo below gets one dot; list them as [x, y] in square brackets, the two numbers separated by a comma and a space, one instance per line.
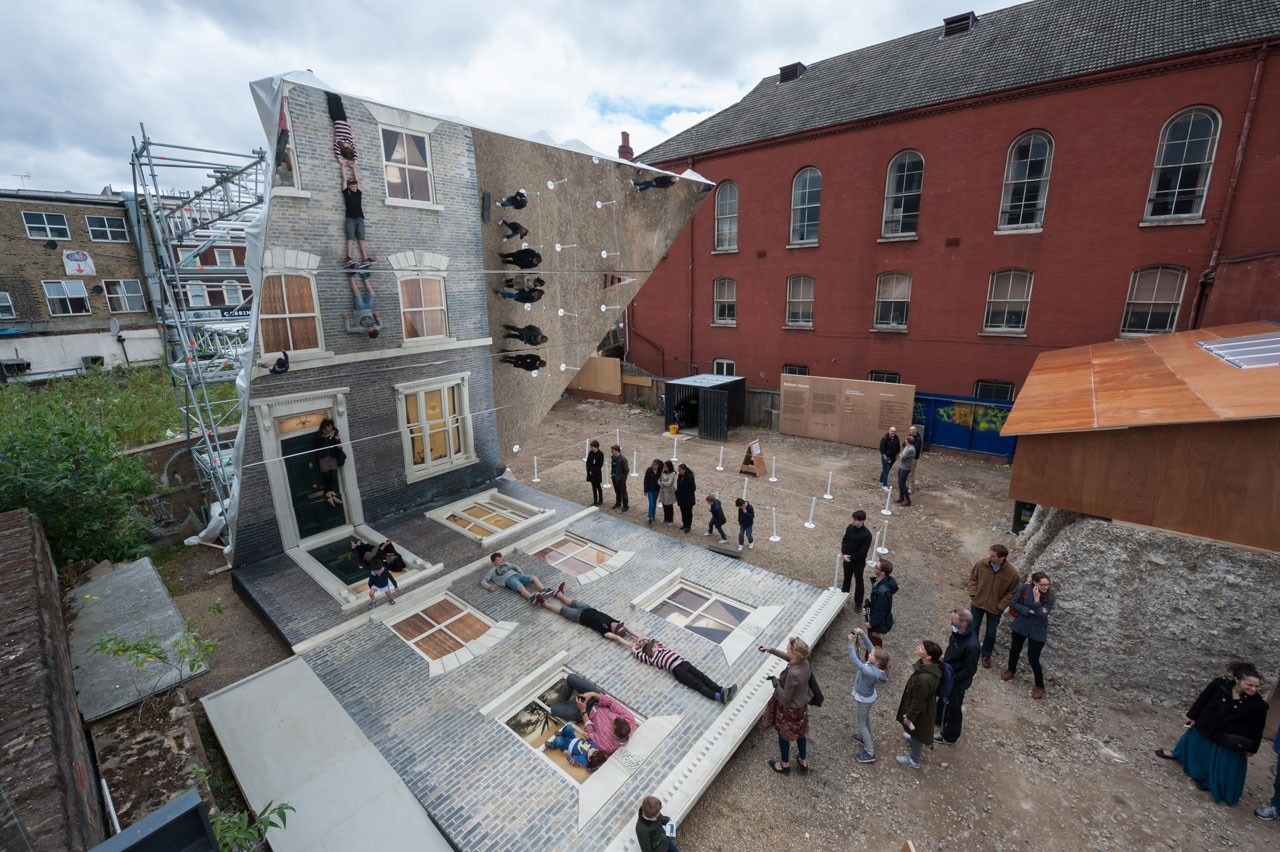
[78, 262]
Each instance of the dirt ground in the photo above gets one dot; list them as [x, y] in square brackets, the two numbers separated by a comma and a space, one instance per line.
[1073, 771]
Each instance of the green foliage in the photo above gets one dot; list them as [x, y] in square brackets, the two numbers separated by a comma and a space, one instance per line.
[67, 470]
[188, 654]
[238, 831]
[646, 405]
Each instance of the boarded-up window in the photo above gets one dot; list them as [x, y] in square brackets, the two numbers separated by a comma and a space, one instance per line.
[289, 319]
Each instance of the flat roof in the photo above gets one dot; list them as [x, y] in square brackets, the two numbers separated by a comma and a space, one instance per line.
[1146, 381]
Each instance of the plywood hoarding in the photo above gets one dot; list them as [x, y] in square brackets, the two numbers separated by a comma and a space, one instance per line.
[846, 411]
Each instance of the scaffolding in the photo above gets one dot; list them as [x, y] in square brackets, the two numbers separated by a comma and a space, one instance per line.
[205, 345]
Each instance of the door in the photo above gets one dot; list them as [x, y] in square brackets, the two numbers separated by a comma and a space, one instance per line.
[311, 510]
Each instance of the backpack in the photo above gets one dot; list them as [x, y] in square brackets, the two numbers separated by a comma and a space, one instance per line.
[948, 681]
[817, 699]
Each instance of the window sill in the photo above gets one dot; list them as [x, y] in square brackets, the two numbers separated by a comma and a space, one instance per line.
[810, 245]
[420, 344]
[725, 251]
[888, 330]
[988, 332]
[418, 205]
[899, 238]
[1004, 232]
[414, 475]
[96, 240]
[793, 327]
[299, 360]
[289, 192]
[724, 325]
[1131, 335]
[1168, 223]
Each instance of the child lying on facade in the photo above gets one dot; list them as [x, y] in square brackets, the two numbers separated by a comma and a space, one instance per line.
[579, 751]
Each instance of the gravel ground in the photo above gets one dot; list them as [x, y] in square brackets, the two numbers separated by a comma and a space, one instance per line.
[1073, 771]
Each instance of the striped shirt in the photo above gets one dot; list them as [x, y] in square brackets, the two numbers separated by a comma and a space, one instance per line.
[342, 139]
[662, 657]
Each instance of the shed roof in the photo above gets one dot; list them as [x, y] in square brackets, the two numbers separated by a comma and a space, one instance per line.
[1147, 381]
[1010, 48]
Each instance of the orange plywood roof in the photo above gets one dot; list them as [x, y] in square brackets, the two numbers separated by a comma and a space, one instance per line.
[1144, 381]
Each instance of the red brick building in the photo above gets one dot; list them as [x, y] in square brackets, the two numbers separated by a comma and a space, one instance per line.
[941, 208]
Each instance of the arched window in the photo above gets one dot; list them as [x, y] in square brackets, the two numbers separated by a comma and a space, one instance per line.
[1026, 181]
[1008, 300]
[800, 301]
[1184, 159]
[1155, 292]
[902, 194]
[893, 300]
[727, 216]
[806, 198]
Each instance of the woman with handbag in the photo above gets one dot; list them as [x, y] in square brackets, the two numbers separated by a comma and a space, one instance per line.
[1223, 730]
[1030, 609]
[788, 707]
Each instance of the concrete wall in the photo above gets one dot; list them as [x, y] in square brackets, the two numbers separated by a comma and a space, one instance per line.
[1148, 613]
[1105, 133]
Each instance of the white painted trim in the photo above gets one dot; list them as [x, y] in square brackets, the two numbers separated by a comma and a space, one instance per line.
[518, 695]
[401, 119]
[414, 472]
[441, 514]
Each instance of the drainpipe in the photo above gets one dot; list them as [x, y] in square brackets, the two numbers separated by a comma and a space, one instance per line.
[1210, 274]
[688, 164]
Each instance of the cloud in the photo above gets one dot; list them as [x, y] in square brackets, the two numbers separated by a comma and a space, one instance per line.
[80, 77]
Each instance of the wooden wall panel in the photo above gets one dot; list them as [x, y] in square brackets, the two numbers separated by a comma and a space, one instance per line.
[845, 411]
[1217, 480]
[598, 374]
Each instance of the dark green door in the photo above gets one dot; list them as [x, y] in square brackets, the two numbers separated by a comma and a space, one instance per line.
[306, 488]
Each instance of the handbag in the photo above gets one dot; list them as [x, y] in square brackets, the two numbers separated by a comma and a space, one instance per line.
[817, 699]
[1021, 595]
[1235, 742]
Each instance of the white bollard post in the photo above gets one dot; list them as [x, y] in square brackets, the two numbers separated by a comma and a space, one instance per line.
[883, 549]
[773, 469]
[835, 581]
[617, 437]
[634, 457]
[675, 443]
[720, 464]
[775, 537]
[535, 470]
[744, 488]
[586, 449]
[871, 558]
[827, 496]
[809, 524]
[885, 511]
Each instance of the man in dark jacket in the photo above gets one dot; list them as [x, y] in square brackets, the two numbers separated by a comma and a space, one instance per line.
[619, 470]
[880, 602]
[595, 468]
[524, 258]
[962, 655]
[651, 827]
[890, 446]
[717, 520]
[686, 495]
[529, 334]
[854, 548]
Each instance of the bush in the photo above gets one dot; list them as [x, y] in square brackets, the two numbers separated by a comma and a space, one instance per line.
[60, 459]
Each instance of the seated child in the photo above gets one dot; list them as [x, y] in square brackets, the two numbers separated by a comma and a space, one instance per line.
[578, 750]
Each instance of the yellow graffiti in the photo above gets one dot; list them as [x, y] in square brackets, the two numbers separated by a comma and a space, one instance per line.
[990, 419]
[983, 418]
[960, 415]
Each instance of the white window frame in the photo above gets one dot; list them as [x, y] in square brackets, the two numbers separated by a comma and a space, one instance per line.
[701, 591]
[898, 195]
[111, 233]
[66, 294]
[296, 189]
[726, 219]
[443, 310]
[314, 314]
[128, 289]
[388, 167]
[1132, 300]
[795, 369]
[6, 306]
[888, 376]
[219, 254]
[459, 456]
[993, 384]
[1017, 182]
[799, 300]
[613, 561]
[46, 226]
[804, 199]
[725, 295]
[723, 367]
[887, 285]
[1200, 190]
[1000, 292]
[469, 650]
[524, 515]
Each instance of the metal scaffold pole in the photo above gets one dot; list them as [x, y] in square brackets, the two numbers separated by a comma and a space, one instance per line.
[205, 324]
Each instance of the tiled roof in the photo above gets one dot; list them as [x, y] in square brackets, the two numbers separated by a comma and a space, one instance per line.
[1007, 49]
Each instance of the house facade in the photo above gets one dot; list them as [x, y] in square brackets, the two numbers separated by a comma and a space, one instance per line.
[941, 208]
[72, 291]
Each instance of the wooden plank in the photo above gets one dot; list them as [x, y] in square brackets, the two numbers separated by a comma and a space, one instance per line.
[638, 381]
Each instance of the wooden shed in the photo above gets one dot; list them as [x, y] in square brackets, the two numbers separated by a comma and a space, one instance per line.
[710, 404]
[1175, 431]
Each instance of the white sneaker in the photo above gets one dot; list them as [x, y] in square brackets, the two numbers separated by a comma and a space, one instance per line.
[739, 548]
[906, 760]
[751, 546]
[1267, 813]
[706, 533]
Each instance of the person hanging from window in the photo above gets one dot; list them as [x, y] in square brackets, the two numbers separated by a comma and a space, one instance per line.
[514, 230]
[526, 361]
[525, 258]
[352, 198]
[518, 201]
[344, 141]
[330, 457]
[279, 366]
[524, 296]
[529, 334]
[365, 320]
[657, 182]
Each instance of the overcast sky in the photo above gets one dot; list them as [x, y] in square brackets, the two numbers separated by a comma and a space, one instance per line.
[80, 75]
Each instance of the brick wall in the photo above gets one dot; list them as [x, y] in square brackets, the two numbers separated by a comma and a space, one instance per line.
[46, 772]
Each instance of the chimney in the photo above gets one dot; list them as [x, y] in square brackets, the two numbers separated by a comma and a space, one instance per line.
[787, 73]
[624, 150]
